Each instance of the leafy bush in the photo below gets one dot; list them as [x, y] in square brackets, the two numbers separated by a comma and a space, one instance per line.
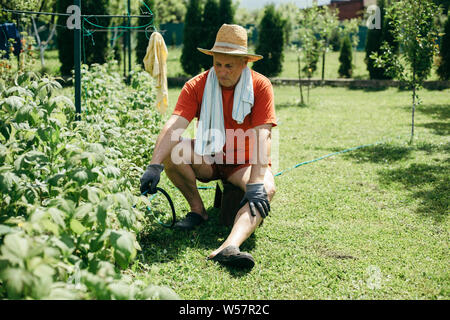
[95, 44]
[270, 43]
[67, 221]
[226, 12]
[65, 40]
[375, 40]
[444, 55]
[345, 58]
[191, 59]
[211, 24]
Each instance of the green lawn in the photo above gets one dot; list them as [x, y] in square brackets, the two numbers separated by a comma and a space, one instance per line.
[368, 224]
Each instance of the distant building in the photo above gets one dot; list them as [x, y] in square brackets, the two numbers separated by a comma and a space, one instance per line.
[350, 9]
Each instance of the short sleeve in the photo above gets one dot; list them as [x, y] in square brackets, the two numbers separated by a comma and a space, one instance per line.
[264, 106]
[187, 105]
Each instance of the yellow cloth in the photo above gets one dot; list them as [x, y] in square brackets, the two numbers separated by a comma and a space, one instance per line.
[155, 64]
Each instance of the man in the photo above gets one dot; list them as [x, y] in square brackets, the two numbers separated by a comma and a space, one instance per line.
[235, 108]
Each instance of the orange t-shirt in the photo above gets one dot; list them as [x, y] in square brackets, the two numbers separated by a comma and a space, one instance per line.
[263, 112]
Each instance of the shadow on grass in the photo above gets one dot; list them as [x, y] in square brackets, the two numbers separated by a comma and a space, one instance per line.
[366, 89]
[430, 183]
[161, 245]
[439, 112]
[439, 128]
[291, 104]
[380, 153]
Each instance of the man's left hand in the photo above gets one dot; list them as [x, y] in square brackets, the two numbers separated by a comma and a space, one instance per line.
[256, 196]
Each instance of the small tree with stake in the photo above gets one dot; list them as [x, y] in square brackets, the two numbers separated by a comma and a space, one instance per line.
[308, 30]
[415, 29]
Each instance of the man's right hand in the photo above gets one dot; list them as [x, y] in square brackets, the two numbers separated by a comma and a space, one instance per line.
[150, 178]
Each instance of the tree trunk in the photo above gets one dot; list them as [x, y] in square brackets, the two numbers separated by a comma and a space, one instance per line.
[300, 80]
[323, 67]
[414, 99]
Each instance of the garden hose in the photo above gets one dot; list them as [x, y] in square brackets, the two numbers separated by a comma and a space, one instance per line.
[172, 207]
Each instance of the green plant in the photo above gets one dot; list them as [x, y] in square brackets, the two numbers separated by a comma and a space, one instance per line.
[414, 28]
[210, 25]
[345, 58]
[270, 43]
[375, 39]
[67, 220]
[444, 55]
[191, 58]
[65, 40]
[226, 12]
[94, 43]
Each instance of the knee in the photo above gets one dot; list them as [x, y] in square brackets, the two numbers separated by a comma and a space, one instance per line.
[181, 153]
[270, 189]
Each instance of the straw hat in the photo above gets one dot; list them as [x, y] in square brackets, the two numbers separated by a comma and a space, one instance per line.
[231, 39]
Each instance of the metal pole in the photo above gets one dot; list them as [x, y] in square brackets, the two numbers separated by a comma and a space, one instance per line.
[124, 43]
[129, 43]
[77, 66]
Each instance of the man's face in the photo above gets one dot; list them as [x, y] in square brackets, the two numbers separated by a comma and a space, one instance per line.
[228, 68]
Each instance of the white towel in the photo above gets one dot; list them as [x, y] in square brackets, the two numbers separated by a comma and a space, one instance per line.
[210, 137]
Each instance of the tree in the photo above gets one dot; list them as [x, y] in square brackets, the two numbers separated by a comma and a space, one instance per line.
[375, 38]
[328, 22]
[444, 4]
[65, 40]
[210, 27]
[190, 57]
[444, 63]
[48, 25]
[345, 58]
[289, 13]
[270, 43]
[143, 37]
[414, 28]
[95, 43]
[373, 44]
[308, 30]
[226, 12]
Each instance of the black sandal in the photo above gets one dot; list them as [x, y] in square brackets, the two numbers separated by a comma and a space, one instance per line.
[232, 256]
[189, 222]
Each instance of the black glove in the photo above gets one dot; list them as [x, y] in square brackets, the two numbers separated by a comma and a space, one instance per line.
[150, 178]
[256, 196]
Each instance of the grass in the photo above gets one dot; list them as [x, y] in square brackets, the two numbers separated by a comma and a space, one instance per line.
[368, 224]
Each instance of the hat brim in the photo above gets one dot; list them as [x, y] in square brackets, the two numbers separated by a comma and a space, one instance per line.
[251, 57]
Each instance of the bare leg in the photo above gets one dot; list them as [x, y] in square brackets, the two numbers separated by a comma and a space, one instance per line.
[184, 175]
[245, 224]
